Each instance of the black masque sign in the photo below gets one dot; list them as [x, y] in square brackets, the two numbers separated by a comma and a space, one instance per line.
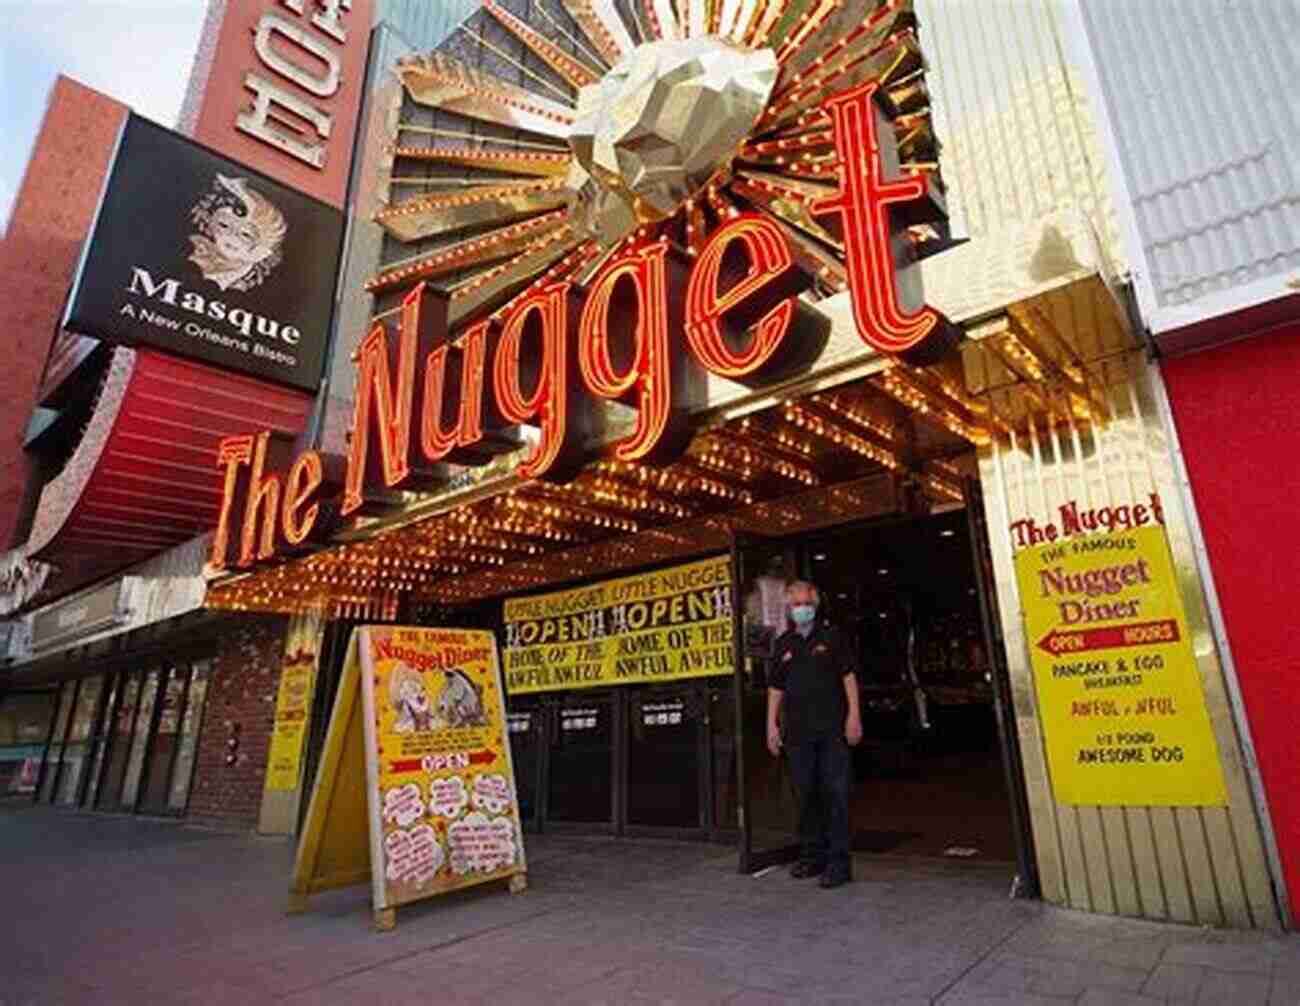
[197, 255]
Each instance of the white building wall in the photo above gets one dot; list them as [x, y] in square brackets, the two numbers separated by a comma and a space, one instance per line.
[1205, 121]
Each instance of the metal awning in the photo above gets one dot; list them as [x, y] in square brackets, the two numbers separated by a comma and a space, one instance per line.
[143, 476]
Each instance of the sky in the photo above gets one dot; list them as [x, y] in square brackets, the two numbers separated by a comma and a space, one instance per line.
[137, 51]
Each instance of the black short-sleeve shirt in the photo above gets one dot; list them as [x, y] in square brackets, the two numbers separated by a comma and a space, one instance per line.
[811, 670]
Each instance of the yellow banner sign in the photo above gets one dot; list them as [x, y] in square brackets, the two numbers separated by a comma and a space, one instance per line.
[443, 783]
[1119, 692]
[660, 626]
[292, 708]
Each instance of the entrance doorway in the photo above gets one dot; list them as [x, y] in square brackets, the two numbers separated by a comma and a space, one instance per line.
[937, 773]
[581, 764]
[639, 760]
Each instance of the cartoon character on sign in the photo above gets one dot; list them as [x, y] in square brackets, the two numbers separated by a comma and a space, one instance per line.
[240, 235]
[460, 703]
[410, 700]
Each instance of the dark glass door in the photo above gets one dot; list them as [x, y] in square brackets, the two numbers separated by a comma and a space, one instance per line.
[109, 794]
[768, 807]
[665, 741]
[102, 740]
[139, 744]
[162, 749]
[580, 780]
[725, 786]
[526, 726]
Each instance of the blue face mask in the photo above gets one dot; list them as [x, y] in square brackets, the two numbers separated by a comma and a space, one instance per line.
[803, 614]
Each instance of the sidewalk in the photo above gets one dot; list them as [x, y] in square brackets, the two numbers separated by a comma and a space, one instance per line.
[111, 910]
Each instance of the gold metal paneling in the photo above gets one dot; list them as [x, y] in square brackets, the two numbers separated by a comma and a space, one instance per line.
[480, 207]
[1198, 865]
[1020, 138]
[446, 83]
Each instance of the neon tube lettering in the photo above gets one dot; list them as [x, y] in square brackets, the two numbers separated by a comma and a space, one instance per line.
[863, 205]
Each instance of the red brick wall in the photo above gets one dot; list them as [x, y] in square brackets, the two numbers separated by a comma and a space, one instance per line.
[38, 256]
[245, 679]
[1237, 409]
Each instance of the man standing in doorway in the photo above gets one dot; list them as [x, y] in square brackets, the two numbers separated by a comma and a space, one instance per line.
[813, 695]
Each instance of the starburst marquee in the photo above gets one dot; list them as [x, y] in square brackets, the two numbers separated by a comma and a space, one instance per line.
[739, 161]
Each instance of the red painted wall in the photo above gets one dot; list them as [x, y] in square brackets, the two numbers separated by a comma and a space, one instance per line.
[1237, 409]
[38, 256]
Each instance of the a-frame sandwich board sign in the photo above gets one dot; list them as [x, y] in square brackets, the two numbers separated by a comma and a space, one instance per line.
[415, 789]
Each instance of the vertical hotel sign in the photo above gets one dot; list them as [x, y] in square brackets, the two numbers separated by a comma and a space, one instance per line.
[1119, 691]
[278, 85]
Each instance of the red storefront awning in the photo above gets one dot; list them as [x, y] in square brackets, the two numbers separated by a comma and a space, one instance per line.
[143, 477]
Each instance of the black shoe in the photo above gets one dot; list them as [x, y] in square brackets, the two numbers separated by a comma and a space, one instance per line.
[835, 878]
[802, 870]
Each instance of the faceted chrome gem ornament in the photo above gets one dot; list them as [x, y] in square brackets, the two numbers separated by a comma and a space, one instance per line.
[656, 128]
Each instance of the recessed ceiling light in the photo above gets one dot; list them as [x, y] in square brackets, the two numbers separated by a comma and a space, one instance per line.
[882, 614]
[883, 571]
[844, 596]
[819, 556]
[947, 533]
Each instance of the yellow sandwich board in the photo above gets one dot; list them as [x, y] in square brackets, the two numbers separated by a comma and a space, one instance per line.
[415, 790]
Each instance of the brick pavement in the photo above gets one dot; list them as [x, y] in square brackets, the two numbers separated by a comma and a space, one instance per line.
[113, 910]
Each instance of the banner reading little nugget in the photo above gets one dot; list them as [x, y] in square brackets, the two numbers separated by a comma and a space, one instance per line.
[1119, 691]
[658, 626]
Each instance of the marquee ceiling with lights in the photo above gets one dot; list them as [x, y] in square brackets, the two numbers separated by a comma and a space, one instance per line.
[825, 459]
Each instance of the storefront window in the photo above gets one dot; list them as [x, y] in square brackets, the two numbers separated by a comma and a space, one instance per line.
[140, 738]
[54, 756]
[183, 772]
[76, 750]
[24, 725]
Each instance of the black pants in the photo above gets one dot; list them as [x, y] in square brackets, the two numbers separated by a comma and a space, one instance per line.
[820, 769]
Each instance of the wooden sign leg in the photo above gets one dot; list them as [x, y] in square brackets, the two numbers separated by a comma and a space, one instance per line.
[385, 920]
[519, 883]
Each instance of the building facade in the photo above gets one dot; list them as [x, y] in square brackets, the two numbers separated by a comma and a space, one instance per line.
[1038, 441]
[950, 418]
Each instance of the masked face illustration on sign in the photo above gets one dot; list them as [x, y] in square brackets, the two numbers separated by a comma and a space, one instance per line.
[241, 234]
